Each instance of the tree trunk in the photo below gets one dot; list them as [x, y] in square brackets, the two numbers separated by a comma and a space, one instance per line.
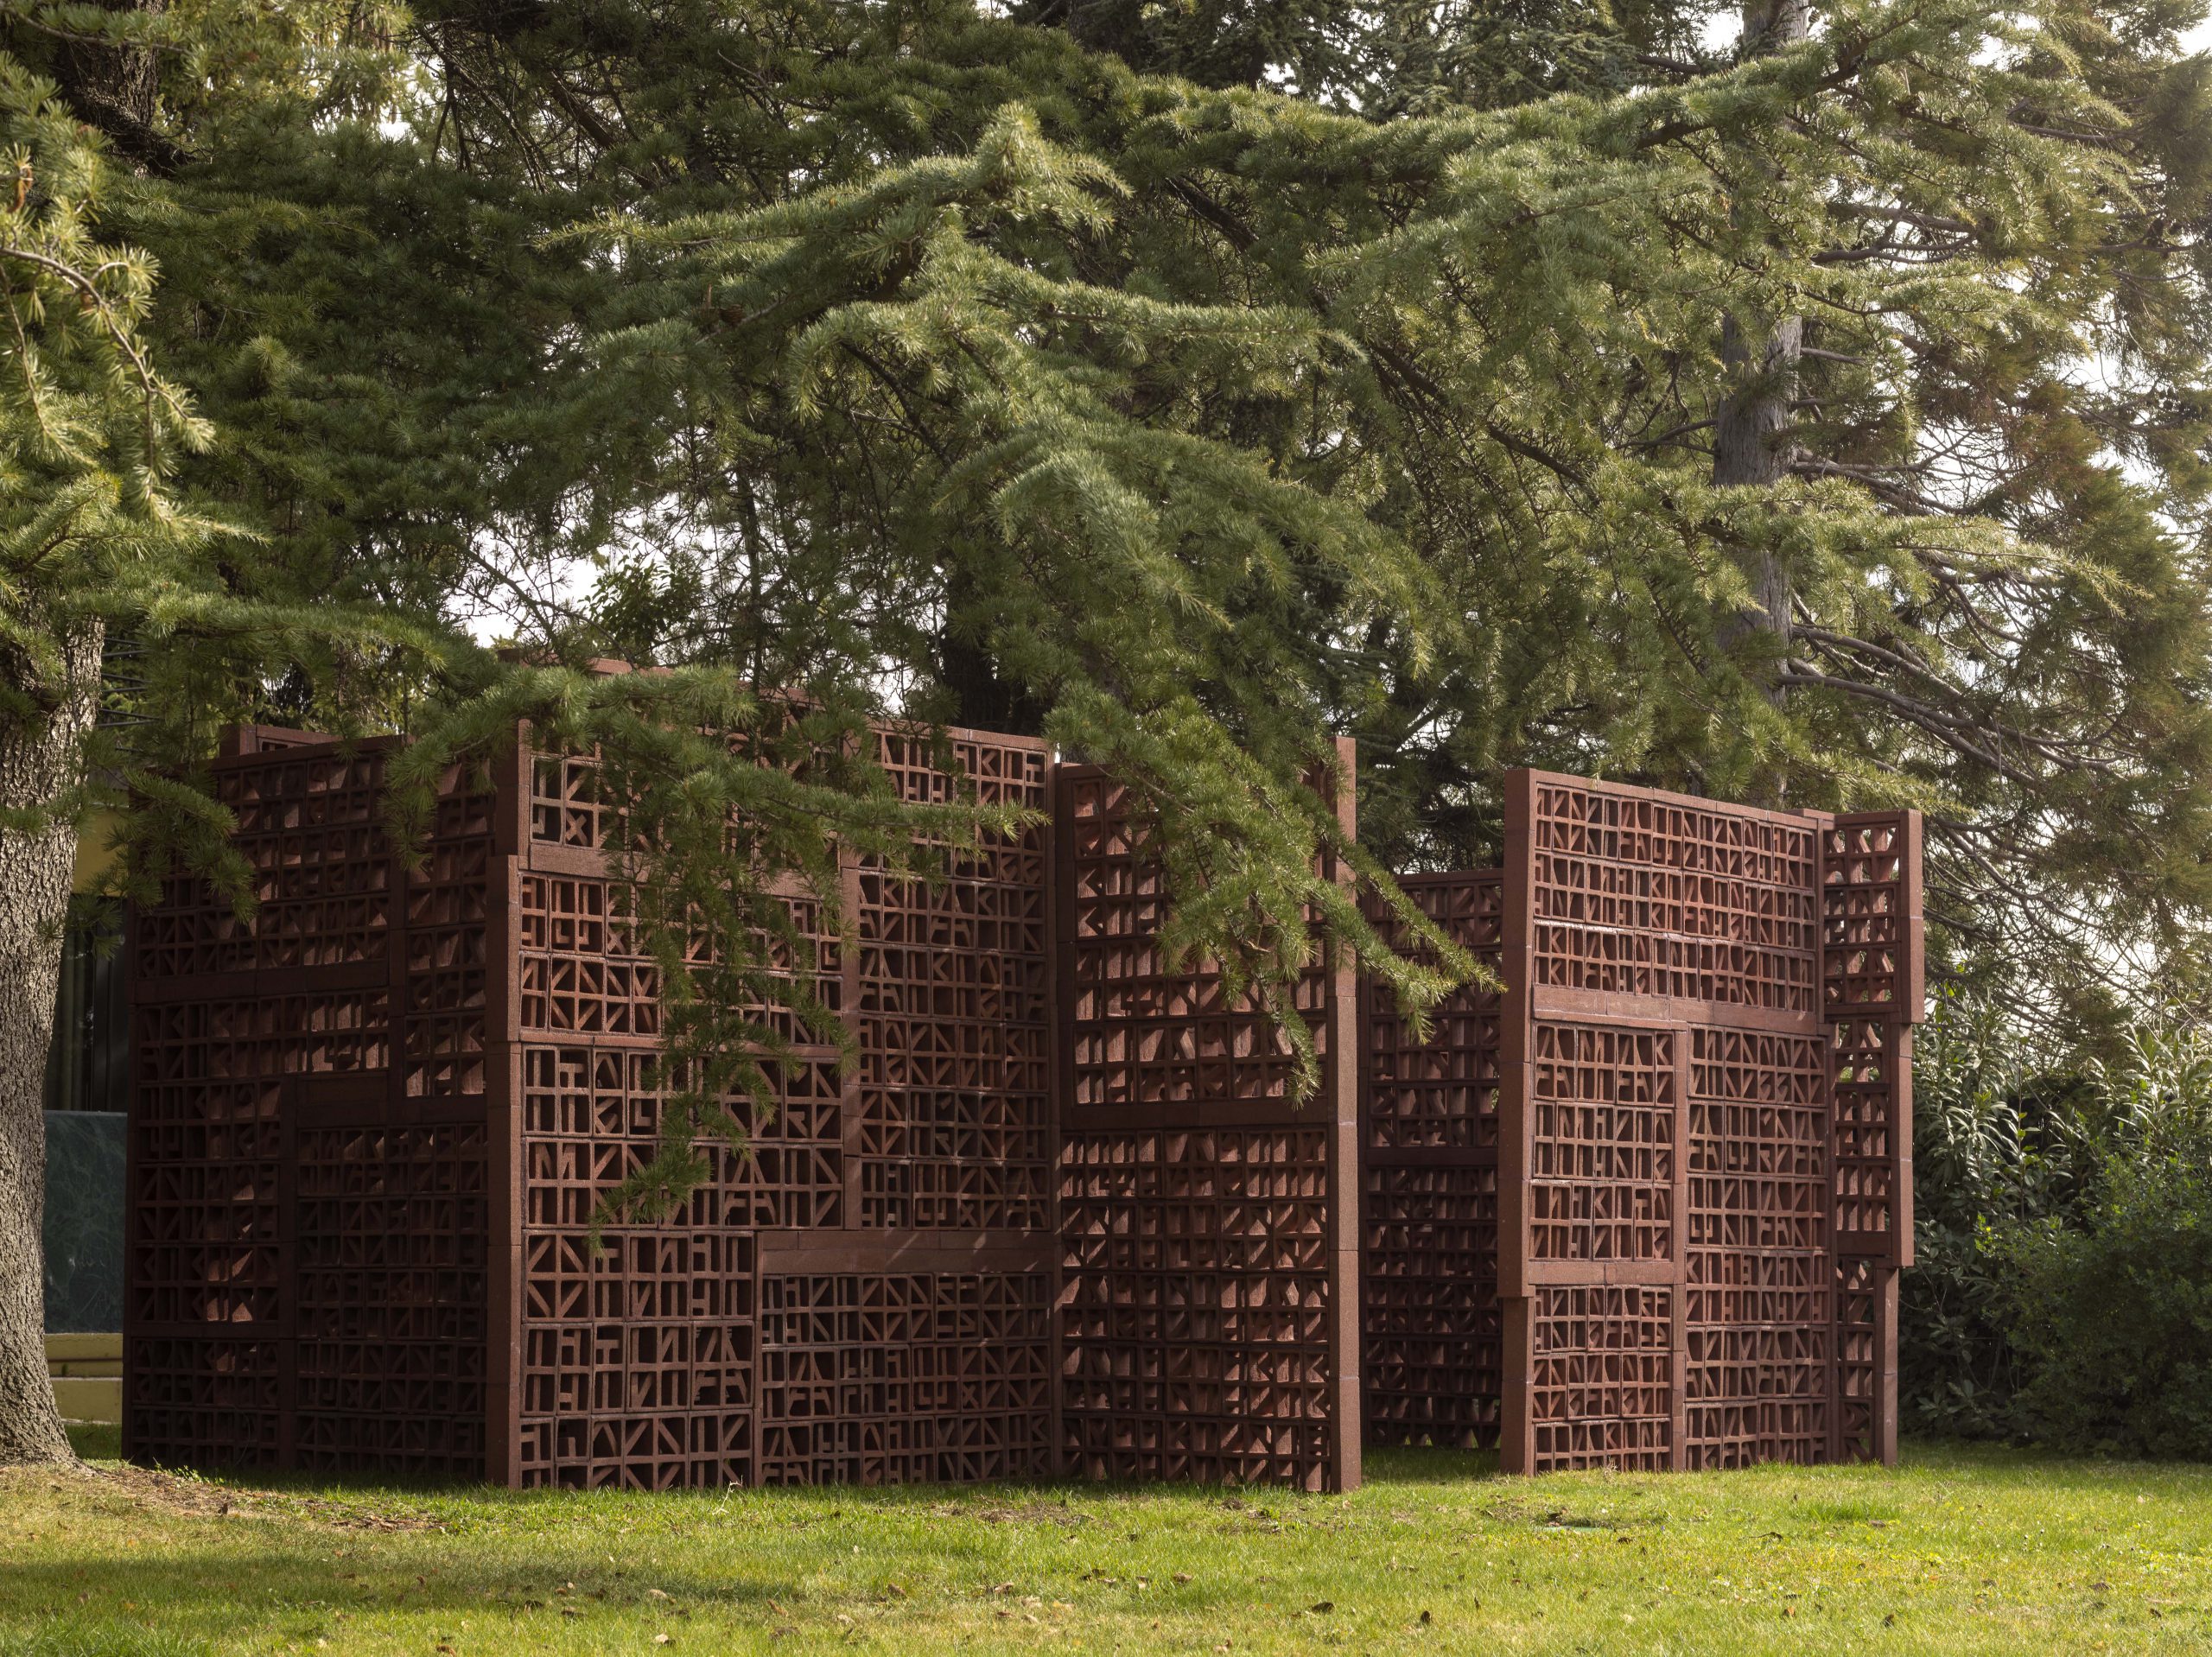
[984, 699]
[41, 760]
[1748, 445]
[117, 89]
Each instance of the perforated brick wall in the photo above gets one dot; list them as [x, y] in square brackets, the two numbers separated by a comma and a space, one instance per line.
[308, 1234]
[1645, 1207]
[1431, 1326]
[1210, 1270]
[374, 1129]
[1702, 1112]
[864, 1293]
[1698, 1150]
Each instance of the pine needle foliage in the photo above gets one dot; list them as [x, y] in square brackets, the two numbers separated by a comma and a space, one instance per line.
[1197, 394]
[99, 551]
[1183, 420]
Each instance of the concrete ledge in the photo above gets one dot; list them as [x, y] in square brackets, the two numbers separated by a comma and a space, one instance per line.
[87, 1347]
[87, 1371]
[83, 1399]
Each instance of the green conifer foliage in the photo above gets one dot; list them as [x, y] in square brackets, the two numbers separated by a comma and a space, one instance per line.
[978, 368]
[1196, 422]
[114, 598]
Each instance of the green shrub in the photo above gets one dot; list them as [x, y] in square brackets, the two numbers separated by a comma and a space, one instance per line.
[2113, 1313]
[2062, 1289]
[1983, 1133]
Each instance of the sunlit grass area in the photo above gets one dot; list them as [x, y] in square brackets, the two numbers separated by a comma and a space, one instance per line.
[1962, 1549]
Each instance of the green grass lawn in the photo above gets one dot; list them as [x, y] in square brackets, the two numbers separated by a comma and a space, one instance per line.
[1962, 1549]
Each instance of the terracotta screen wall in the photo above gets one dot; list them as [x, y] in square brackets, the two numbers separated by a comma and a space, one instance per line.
[1210, 1273]
[1645, 1207]
[1701, 1067]
[308, 1272]
[1061, 1215]
[1431, 1328]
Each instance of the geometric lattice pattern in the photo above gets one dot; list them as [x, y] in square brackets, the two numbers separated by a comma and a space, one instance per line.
[1210, 1268]
[1645, 1207]
[1599, 1182]
[956, 1012]
[372, 1129]
[885, 1378]
[863, 1293]
[1637, 896]
[1872, 953]
[1698, 1084]
[1601, 1388]
[1758, 1282]
[390, 1247]
[308, 1266]
[1431, 1326]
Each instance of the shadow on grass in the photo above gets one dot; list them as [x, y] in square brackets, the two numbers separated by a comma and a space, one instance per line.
[1038, 1499]
[65, 1605]
[1427, 1465]
[96, 1441]
[103, 1637]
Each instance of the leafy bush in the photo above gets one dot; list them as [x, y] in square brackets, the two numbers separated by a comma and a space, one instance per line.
[2112, 1314]
[2064, 1285]
[1980, 1126]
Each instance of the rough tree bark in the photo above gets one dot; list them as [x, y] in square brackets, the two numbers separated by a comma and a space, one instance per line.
[117, 91]
[41, 760]
[1749, 445]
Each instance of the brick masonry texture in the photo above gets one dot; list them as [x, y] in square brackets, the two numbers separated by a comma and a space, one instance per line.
[1060, 1213]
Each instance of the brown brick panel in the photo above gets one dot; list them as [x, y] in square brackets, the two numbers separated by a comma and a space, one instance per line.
[955, 1009]
[1431, 1325]
[391, 1238]
[1759, 1285]
[1705, 1122]
[1208, 1223]
[902, 1378]
[1604, 1377]
[1633, 892]
[308, 1226]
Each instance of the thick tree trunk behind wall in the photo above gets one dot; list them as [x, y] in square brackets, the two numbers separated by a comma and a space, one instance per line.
[38, 761]
[1749, 445]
